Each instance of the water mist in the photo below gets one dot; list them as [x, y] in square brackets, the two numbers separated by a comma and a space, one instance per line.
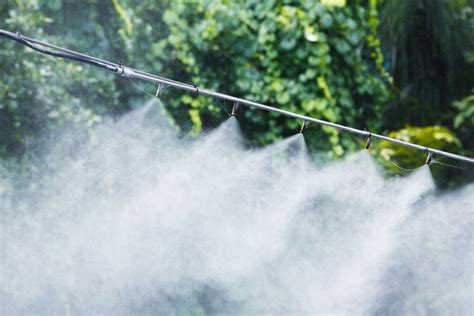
[133, 219]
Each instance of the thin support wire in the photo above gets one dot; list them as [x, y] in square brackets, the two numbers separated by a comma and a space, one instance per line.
[140, 88]
[307, 125]
[222, 106]
[405, 169]
[436, 161]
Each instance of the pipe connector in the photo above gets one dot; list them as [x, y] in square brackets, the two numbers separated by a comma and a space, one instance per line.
[124, 71]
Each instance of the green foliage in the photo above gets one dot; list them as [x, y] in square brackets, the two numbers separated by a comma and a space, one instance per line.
[432, 136]
[304, 57]
[427, 42]
[465, 116]
[464, 121]
[40, 94]
[398, 159]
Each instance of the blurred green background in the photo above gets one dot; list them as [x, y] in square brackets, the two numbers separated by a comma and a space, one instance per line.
[399, 67]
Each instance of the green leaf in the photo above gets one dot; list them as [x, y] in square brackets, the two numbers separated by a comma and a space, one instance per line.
[288, 43]
[283, 97]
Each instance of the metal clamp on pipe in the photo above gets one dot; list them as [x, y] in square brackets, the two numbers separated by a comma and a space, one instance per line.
[124, 71]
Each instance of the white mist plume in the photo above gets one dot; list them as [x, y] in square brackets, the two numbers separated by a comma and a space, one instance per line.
[139, 221]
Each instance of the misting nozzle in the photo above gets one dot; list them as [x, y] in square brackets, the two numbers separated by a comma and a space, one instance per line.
[234, 108]
[158, 91]
[369, 140]
[429, 158]
[303, 127]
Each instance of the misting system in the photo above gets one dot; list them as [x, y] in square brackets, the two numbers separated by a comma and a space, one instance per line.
[129, 72]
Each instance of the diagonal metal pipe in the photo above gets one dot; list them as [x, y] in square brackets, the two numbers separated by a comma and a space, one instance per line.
[142, 75]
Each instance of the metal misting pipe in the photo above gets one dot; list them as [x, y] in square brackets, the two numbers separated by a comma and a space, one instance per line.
[142, 75]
